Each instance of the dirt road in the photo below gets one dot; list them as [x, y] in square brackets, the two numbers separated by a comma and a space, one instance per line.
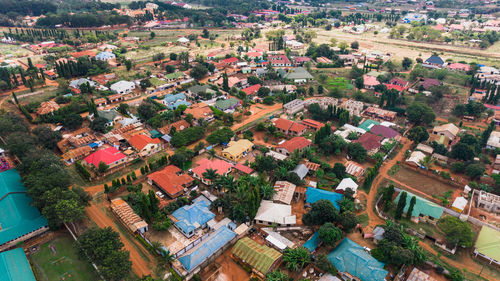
[139, 265]
[262, 111]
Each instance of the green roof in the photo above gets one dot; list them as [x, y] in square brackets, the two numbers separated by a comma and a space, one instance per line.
[368, 124]
[157, 82]
[260, 257]
[488, 243]
[109, 115]
[17, 216]
[422, 206]
[174, 75]
[14, 266]
[227, 103]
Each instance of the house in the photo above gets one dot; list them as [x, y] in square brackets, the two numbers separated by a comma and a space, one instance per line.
[399, 82]
[316, 194]
[293, 107]
[14, 266]
[171, 180]
[173, 101]
[379, 113]
[279, 60]
[294, 44]
[178, 125]
[459, 204]
[189, 218]
[47, 107]
[236, 150]
[284, 192]
[415, 158]
[230, 61]
[171, 77]
[299, 75]
[424, 85]
[354, 169]
[370, 82]
[197, 90]
[370, 142]
[75, 84]
[289, 146]
[274, 213]
[494, 140]
[301, 171]
[207, 250]
[299, 61]
[433, 61]
[123, 87]
[448, 130]
[425, 148]
[112, 116]
[352, 261]
[348, 59]
[345, 184]
[488, 245]
[353, 106]
[110, 156]
[312, 124]
[368, 124]
[227, 104]
[346, 130]
[127, 216]
[423, 210]
[105, 56]
[252, 90]
[288, 127]
[243, 169]
[259, 257]
[76, 154]
[458, 67]
[183, 41]
[19, 220]
[489, 202]
[411, 17]
[221, 167]
[200, 110]
[144, 145]
[385, 132]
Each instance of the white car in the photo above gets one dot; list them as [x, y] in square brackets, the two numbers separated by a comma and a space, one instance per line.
[159, 194]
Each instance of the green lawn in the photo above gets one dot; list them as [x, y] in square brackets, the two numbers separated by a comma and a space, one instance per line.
[64, 265]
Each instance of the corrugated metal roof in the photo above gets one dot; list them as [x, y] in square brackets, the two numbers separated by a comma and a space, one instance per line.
[422, 206]
[14, 266]
[260, 257]
[315, 194]
[488, 243]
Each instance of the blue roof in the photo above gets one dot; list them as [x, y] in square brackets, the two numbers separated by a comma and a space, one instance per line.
[316, 194]
[313, 242]
[93, 145]
[207, 248]
[177, 103]
[173, 98]
[191, 217]
[14, 266]
[352, 258]
[166, 138]
[105, 56]
[435, 60]
[368, 124]
[17, 217]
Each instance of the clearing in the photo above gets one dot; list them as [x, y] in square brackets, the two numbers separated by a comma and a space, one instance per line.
[426, 185]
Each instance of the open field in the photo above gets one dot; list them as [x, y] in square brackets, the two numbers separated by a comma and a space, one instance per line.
[62, 263]
[426, 185]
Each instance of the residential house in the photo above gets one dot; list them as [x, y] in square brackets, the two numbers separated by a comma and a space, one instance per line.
[354, 263]
[47, 107]
[100, 102]
[300, 61]
[346, 130]
[252, 90]
[123, 87]
[183, 41]
[221, 167]
[423, 210]
[425, 148]
[200, 111]
[289, 146]
[488, 245]
[279, 60]
[200, 90]
[301, 171]
[230, 61]
[171, 180]
[243, 169]
[354, 169]
[299, 75]
[288, 127]
[489, 202]
[415, 158]
[274, 213]
[294, 44]
[433, 61]
[112, 116]
[109, 156]
[75, 84]
[190, 218]
[315, 194]
[76, 154]
[370, 82]
[323, 102]
[172, 101]
[345, 184]
[399, 82]
[227, 104]
[236, 150]
[284, 192]
[14, 266]
[178, 125]
[459, 204]
[494, 140]
[105, 56]
[172, 77]
[448, 130]
[294, 106]
[424, 85]
[127, 216]
[348, 59]
[370, 142]
[312, 124]
[462, 67]
[385, 132]
[368, 124]
[260, 258]
[353, 106]
[380, 113]
[144, 145]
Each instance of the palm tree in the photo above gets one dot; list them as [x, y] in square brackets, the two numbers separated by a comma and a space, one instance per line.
[281, 173]
[211, 153]
[226, 183]
[427, 161]
[267, 191]
[210, 175]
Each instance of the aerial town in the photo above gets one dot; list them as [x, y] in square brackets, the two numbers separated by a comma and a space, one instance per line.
[218, 140]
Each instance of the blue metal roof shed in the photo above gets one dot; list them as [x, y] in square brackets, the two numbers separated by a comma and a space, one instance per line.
[316, 194]
[194, 216]
[14, 266]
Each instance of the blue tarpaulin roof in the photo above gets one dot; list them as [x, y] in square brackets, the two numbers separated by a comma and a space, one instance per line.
[14, 266]
[351, 257]
[93, 145]
[316, 194]
[205, 249]
[191, 217]
[17, 216]
[313, 242]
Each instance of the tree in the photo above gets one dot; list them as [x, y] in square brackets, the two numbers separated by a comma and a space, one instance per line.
[277, 275]
[128, 64]
[420, 113]
[348, 221]
[223, 135]
[355, 45]
[72, 121]
[152, 35]
[329, 234]
[146, 110]
[263, 92]
[103, 167]
[359, 82]
[323, 263]
[47, 137]
[401, 205]
[321, 212]
[356, 151]
[210, 175]
[99, 124]
[406, 63]
[198, 72]
[295, 259]
[462, 151]
[474, 170]
[418, 134]
[145, 83]
[456, 231]
[339, 170]
[410, 208]
[123, 108]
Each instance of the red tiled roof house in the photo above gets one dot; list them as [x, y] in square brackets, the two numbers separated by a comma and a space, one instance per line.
[171, 180]
[145, 145]
[289, 146]
[110, 156]
[221, 167]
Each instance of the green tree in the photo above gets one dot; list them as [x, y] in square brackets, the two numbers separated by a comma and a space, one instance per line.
[223, 135]
[401, 205]
[321, 212]
[103, 167]
[419, 113]
[99, 124]
[329, 234]
[406, 63]
[277, 275]
[295, 259]
[410, 208]
[357, 151]
[456, 231]
[323, 263]
[47, 137]
[418, 134]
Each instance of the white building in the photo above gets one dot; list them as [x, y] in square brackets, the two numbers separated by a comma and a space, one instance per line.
[294, 106]
[123, 87]
[345, 184]
[493, 140]
[273, 213]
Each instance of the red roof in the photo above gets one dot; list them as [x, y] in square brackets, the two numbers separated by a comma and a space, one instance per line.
[220, 166]
[230, 60]
[83, 53]
[252, 90]
[242, 168]
[140, 141]
[283, 124]
[295, 143]
[297, 127]
[313, 123]
[108, 155]
[459, 66]
[370, 80]
[395, 87]
[170, 181]
[398, 81]
[254, 54]
[370, 141]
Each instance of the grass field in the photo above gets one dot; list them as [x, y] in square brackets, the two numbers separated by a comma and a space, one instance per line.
[64, 265]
